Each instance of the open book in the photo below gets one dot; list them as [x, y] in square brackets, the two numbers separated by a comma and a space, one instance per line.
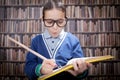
[70, 66]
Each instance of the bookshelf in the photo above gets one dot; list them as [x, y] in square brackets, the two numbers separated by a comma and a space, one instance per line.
[95, 23]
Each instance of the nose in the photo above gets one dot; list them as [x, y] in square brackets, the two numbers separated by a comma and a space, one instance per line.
[55, 26]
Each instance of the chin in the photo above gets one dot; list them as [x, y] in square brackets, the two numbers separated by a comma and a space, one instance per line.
[55, 35]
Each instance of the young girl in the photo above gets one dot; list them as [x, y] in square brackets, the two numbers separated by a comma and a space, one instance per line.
[60, 47]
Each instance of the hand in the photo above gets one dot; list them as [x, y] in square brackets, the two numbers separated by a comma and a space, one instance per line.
[79, 66]
[48, 66]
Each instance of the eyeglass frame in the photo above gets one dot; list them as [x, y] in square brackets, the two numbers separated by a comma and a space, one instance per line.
[55, 21]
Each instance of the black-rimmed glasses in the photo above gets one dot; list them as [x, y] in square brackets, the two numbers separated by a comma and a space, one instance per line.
[51, 22]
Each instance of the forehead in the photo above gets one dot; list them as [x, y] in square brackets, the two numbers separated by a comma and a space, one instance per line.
[54, 14]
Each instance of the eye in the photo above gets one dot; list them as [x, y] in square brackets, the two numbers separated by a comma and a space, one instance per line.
[60, 21]
[49, 21]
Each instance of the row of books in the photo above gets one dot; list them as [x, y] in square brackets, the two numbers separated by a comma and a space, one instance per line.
[21, 26]
[24, 39]
[99, 39]
[37, 26]
[92, 12]
[21, 2]
[91, 52]
[95, 69]
[20, 54]
[16, 55]
[71, 12]
[13, 54]
[93, 26]
[104, 68]
[11, 68]
[86, 40]
[21, 12]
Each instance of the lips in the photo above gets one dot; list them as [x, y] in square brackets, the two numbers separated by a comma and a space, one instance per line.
[55, 32]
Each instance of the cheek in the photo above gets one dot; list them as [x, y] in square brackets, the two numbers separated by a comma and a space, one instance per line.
[59, 30]
[50, 30]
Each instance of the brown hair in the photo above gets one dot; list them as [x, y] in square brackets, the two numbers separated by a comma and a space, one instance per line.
[54, 4]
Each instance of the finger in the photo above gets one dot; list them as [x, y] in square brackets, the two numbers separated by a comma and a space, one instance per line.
[51, 62]
[89, 64]
[75, 66]
[80, 63]
[82, 66]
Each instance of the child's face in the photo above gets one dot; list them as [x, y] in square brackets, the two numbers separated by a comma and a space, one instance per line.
[54, 18]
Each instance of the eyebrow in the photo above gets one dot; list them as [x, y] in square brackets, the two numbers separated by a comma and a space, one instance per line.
[53, 19]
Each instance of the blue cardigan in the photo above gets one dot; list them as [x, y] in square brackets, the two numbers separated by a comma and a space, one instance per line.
[70, 48]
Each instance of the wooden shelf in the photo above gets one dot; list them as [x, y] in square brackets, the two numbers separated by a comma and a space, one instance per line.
[112, 75]
[14, 75]
[40, 5]
[23, 5]
[81, 18]
[99, 18]
[20, 33]
[17, 62]
[23, 33]
[18, 19]
[92, 5]
[15, 47]
[96, 32]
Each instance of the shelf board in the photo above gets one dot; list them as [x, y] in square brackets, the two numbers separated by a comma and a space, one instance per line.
[16, 47]
[12, 61]
[12, 47]
[68, 4]
[107, 32]
[74, 18]
[12, 75]
[17, 62]
[19, 19]
[92, 5]
[112, 75]
[19, 33]
[22, 5]
[22, 75]
[100, 46]
[98, 18]
[24, 33]
[89, 76]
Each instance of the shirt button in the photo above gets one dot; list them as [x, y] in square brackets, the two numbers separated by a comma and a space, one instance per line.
[52, 41]
[52, 49]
